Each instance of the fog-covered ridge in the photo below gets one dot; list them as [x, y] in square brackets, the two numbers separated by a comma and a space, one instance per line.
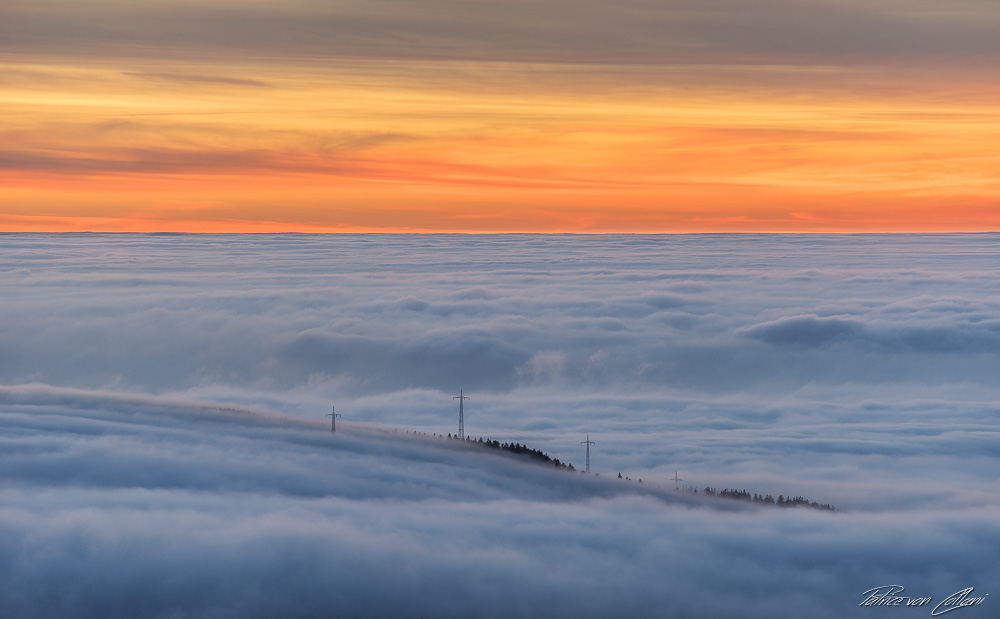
[132, 506]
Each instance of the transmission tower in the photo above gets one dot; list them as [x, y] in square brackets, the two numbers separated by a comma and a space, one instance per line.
[588, 443]
[461, 397]
[676, 479]
[333, 418]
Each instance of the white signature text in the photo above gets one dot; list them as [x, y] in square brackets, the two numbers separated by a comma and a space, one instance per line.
[892, 595]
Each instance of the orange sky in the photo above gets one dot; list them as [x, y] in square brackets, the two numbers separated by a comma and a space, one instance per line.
[146, 140]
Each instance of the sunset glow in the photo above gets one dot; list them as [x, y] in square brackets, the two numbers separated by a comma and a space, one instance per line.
[171, 131]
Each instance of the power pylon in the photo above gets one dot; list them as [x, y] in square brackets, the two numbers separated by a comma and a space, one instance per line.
[333, 418]
[588, 443]
[461, 397]
[676, 479]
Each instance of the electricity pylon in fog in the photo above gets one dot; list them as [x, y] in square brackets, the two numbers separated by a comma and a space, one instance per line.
[333, 418]
[588, 443]
[461, 397]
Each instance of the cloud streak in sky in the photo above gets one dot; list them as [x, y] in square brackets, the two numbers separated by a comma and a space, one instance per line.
[197, 79]
[551, 31]
[551, 116]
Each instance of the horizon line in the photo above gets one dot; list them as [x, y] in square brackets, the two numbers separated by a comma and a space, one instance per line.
[505, 233]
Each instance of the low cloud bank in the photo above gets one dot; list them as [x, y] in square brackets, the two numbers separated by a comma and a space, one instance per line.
[157, 508]
[369, 315]
[165, 451]
[859, 370]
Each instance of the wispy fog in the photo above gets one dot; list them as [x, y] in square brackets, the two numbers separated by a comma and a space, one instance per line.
[164, 451]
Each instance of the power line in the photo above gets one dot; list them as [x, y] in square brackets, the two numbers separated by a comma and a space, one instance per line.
[461, 397]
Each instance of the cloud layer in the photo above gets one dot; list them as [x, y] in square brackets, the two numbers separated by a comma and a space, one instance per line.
[117, 505]
[146, 473]
[718, 354]
[473, 116]
[674, 31]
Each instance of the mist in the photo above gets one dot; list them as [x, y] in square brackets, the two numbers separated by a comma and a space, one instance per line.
[165, 450]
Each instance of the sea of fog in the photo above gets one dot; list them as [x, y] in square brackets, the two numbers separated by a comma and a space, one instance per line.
[164, 450]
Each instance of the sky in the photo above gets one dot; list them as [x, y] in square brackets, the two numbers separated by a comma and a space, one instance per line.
[164, 450]
[474, 116]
